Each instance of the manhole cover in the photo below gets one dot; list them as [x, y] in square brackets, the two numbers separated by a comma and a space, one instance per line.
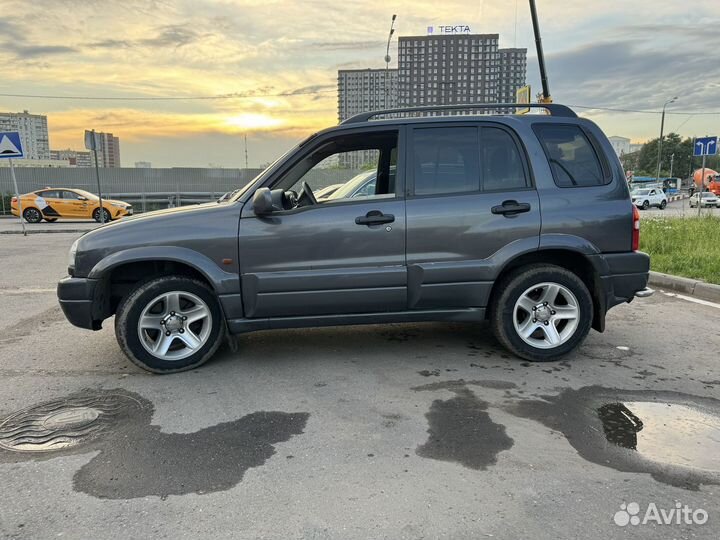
[64, 423]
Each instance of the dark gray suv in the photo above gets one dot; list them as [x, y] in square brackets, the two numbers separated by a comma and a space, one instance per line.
[521, 220]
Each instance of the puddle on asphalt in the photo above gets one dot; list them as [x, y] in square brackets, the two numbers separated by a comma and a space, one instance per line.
[460, 429]
[672, 436]
[664, 432]
[135, 458]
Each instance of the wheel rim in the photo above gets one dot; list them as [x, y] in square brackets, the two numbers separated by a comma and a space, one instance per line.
[174, 325]
[546, 315]
[32, 215]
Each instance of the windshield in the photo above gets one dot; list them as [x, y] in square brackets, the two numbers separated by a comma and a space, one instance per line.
[86, 194]
[355, 183]
[641, 192]
[708, 195]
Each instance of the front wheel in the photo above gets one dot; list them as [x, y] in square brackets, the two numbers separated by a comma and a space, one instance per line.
[107, 218]
[645, 205]
[170, 324]
[541, 312]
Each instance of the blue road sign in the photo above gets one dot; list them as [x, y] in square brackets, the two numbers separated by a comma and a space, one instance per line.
[705, 146]
[10, 145]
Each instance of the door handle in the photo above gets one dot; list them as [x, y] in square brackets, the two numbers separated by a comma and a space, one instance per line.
[374, 217]
[510, 208]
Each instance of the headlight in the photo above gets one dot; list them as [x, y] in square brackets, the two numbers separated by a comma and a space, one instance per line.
[71, 255]
[118, 205]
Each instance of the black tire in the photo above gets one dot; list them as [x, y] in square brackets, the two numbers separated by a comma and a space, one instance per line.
[663, 205]
[131, 307]
[32, 215]
[96, 215]
[509, 291]
[645, 205]
[51, 219]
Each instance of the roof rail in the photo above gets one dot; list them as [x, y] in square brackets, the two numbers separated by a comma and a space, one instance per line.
[554, 109]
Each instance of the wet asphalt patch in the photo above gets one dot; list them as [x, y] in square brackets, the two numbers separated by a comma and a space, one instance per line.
[673, 437]
[460, 429]
[135, 458]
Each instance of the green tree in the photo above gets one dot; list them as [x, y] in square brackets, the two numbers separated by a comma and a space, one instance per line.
[644, 162]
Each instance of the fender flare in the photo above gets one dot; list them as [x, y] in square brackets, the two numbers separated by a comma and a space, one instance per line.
[222, 282]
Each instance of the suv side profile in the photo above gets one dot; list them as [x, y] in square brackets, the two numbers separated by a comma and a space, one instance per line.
[521, 220]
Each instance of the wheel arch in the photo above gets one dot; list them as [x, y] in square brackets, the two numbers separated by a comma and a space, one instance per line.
[122, 271]
[575, 259]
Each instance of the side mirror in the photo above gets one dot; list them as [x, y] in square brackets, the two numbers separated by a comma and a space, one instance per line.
[263, 202]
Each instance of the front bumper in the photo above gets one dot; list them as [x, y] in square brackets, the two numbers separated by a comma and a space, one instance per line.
[77, 300]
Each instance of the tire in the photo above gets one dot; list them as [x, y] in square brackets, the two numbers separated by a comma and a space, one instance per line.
[143, 302]
[32, 215]
[663, 204]
[645, 205]
[527, 282]
[51, 219]
[96, 215]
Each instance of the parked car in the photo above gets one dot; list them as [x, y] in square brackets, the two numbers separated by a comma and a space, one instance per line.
[51, 204]
[521, 220]
[325, 192]
[705, 199]
[645, 198]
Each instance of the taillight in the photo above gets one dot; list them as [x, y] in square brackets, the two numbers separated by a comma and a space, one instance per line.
[13, 200]
[636, 229]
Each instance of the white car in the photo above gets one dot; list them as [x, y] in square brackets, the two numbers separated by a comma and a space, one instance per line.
[645, 198]
[708, 199]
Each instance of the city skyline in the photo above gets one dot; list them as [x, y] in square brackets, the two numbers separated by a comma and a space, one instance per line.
[611, 56]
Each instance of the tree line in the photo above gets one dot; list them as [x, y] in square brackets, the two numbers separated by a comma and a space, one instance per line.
[675, 149]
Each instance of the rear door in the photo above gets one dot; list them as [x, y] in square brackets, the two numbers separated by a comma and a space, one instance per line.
[50, 203]
[470, 196]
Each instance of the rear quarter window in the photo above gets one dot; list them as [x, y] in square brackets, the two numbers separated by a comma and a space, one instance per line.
[572, 157]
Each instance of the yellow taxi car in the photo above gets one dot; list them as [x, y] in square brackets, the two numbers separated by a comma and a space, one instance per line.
[53, 203]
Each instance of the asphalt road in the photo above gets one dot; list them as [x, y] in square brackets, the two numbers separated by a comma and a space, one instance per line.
[387, 431]
[679, 208]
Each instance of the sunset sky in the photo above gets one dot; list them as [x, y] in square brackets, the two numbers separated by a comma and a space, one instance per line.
[283, 57]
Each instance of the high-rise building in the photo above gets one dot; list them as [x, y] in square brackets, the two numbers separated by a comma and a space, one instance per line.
[108, 150]
[513, 71]
[454, 69]
[361, 90]
[33, 129]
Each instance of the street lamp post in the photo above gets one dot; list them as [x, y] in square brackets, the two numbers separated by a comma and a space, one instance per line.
[662, 126]
[387, 58]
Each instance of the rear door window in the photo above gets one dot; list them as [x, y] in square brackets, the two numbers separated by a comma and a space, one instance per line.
[501, 163]
[572, 158]
[446, 160]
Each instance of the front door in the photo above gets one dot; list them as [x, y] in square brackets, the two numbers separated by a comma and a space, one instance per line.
[343, 254]
[470, 200]
[72, 205]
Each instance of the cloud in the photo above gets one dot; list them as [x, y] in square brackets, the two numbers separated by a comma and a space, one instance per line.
[15, 42]
[348, 45]
[174, 35]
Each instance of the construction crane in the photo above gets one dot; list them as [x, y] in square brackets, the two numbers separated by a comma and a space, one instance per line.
[545, 96]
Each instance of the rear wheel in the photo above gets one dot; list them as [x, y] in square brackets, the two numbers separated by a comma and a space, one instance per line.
[32, 215]
[542, 312]
[170, 324]
[663, 204]
[96, 215]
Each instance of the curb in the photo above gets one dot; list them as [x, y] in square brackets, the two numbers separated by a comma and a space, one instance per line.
[690, 287]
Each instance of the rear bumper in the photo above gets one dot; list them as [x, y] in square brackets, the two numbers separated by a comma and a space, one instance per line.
[621, 277]
[76, 297]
